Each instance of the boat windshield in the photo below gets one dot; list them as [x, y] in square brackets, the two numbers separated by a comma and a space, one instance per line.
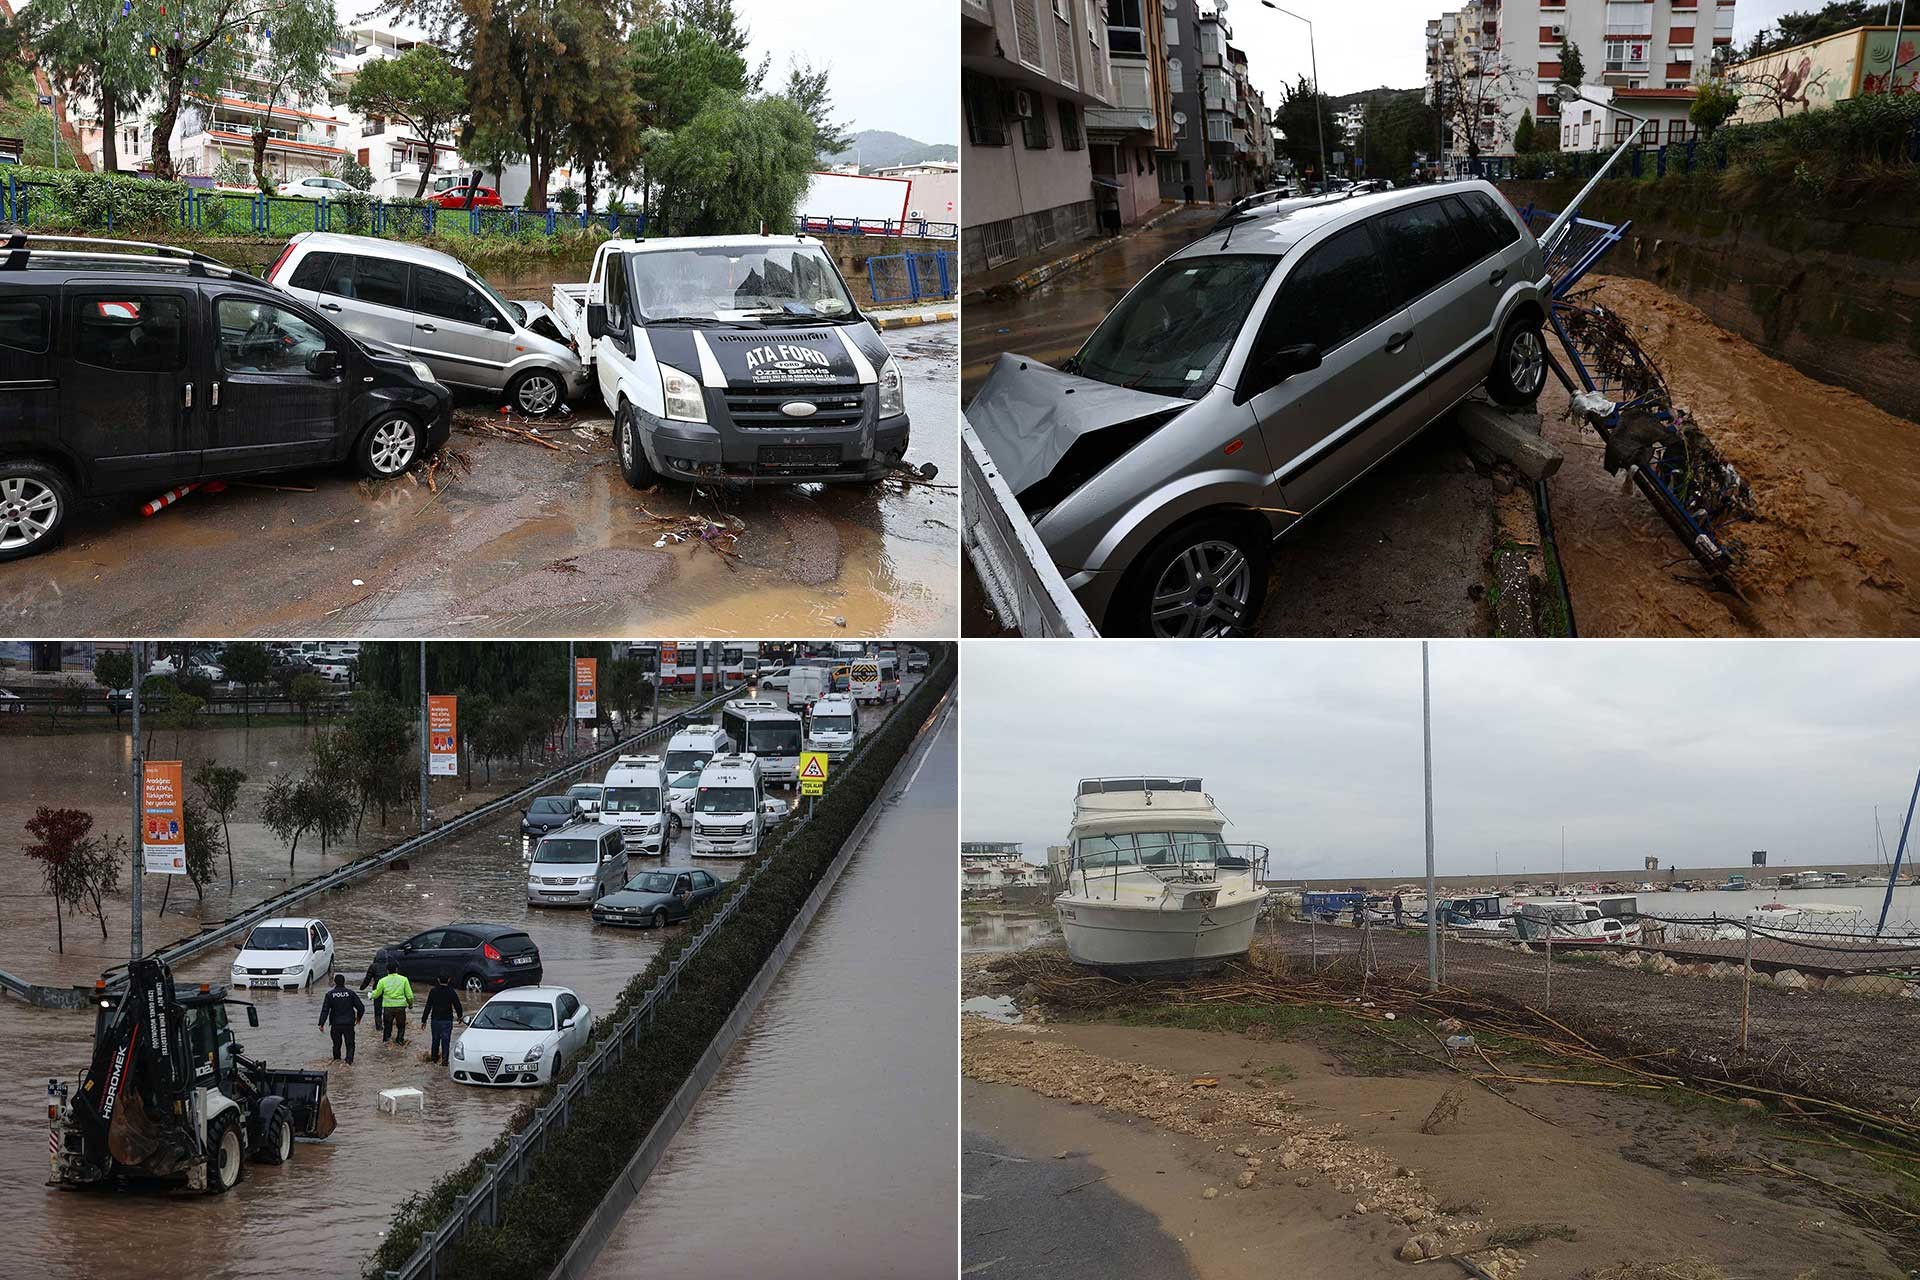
[1149, 849]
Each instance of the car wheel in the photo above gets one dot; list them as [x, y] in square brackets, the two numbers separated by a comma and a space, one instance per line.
[660, 918]
[473, 982]
[1519, 365]
[226, 1153]
[535, 393]
[279, 1145]
[388, 447]
[634, 467]
[1208, 578]
[34, 498]
[553, 1070]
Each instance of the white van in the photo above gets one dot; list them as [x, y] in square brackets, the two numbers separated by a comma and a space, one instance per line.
[687, 754]
[864, 680]
[634, 798]
[806, 685]
[834, 726]
[727, 813]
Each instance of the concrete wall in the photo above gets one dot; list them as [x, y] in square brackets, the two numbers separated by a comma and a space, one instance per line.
[1831, 288]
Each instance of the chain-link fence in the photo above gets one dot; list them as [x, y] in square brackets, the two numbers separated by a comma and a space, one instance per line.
[1827, 1007]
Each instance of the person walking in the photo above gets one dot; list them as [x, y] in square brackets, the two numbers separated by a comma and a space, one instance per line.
[1396, 909]
[340, 1011]
[443, 1009]
[393, 995]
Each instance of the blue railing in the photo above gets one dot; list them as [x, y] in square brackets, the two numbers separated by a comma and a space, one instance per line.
[807, 224]
[911, 277]
[1695, 154]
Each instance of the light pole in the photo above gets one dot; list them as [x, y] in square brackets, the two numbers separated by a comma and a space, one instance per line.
[425, 737]
[134, 937]
[1433, 896]
[1567, 94]
[1314, 58]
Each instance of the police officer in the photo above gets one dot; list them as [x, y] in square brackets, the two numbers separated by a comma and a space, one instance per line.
[341, 1010]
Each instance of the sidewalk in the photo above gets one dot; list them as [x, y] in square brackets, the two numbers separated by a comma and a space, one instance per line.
[1011, 279]
[942, 312]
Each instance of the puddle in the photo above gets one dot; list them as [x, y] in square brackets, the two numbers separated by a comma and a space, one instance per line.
[993, 1009]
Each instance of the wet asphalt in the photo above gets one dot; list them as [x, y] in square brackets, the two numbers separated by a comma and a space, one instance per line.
[515, 539]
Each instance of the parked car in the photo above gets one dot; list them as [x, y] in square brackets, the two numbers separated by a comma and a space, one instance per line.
[334, 672]
[916, 660]
[656, 898]
[577, 865]
[138, 368]
[474, 957]
[456, 197]
[284, 954]
[521, 1038]
[12, 704]
[773, 677]
[549, 813]
[1251, 377]
[163, 666]
[432, 306]
[318, 187]
[208, 671]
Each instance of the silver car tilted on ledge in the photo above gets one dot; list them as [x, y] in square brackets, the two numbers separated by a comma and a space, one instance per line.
[1248, 379]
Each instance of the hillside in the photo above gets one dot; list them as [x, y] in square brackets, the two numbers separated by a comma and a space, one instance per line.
[878, 148]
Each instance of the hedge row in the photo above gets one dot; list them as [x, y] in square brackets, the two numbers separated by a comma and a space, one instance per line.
[539, 1219]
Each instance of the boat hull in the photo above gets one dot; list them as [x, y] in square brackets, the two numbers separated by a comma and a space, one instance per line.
[1147, 942]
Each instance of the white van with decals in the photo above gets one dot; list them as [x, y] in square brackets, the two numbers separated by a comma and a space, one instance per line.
[738, 360]
[633, 797]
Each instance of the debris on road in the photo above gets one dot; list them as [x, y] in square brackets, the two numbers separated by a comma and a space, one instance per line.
[693, 528]
[172, 496]
[508, 427]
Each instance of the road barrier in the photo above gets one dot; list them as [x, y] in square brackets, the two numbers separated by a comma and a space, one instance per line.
[480, 1206]
[911, 277]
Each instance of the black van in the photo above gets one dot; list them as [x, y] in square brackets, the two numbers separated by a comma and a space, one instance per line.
[134, 367]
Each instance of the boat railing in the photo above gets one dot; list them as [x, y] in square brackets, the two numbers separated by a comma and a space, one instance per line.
[1222, 860]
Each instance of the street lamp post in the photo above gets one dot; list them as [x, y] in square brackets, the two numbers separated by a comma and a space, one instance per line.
[1568, 94]
[1314, 58]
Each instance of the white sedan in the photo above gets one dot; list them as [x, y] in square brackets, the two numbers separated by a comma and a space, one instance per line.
[285, 954]
[521, 1037]
[316, 188]
[10, 701]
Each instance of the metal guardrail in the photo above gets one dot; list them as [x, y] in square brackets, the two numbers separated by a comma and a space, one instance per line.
[482, 1204]
[185, 948]
[911, 228]
[1024, 588]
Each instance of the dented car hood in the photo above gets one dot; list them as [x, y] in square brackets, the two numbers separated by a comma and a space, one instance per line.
[1028, 415]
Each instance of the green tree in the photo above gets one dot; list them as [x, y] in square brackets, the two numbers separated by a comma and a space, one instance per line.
[1300, 107]
[677, 64]
[808, 90]
[113, 669]
[1573, 69]
[1713, 102]
[220, 788]
[1523, 139]
[421, 87]
[626, 690]
[742, 163]
[378, 738]
[291, 63]
[248, 665]
[205, 40]
[89, 50]
[180, 712]
[201, 843]
[306, 689]
[491, 147]
[60, 837]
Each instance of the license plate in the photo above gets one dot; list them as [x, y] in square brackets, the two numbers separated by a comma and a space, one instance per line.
[800, 455]
[523, 960]
[263, 982]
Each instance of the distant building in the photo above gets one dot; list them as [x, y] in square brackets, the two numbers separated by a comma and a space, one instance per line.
[1130, 138]
[992, 864]
[1849, 64]
[936, 188]
[1585, 127]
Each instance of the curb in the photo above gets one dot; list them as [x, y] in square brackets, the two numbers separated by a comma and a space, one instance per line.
[908, 322]
[1032, 279]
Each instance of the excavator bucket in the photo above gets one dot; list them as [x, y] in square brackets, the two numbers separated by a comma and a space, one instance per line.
[306, 1095]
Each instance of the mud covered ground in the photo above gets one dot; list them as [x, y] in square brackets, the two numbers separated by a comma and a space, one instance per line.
[1235, 1136]
[519, 540]
[1837, 548]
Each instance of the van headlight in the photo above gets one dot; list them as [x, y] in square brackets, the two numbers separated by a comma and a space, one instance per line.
[682, 392]
[420, 371]
[893, 391]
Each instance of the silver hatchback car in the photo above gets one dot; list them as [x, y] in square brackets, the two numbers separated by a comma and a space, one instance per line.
[435, 308]
[1248, 379]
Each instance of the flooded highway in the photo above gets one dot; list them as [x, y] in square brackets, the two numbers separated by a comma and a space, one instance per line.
[521, 540]
[323, 1212]
[834, 1114]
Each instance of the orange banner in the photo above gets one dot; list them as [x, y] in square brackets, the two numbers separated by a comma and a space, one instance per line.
[163, 819]
[586, 688]
[443, 735]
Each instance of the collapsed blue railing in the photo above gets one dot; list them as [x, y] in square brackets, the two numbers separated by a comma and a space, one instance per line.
[911, 277]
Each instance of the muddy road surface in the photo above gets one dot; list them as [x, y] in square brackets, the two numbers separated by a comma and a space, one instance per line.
[850, 1058]
[519, 539]
[1836, 550]
[322, 1213]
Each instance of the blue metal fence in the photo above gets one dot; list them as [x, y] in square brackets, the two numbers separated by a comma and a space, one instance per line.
[1641, 162]
[916, 228]
[911, 277]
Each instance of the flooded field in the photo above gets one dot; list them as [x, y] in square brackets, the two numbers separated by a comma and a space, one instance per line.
[522, 540]
[322, 1213]
[1837, 548]
[834, 1114]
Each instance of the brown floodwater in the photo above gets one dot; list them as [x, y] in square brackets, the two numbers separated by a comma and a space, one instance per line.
[834, 1115]
[322, 1213]
[1836, 550]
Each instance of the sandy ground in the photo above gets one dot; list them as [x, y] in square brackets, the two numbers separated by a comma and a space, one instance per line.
[1836, 550]
[1296, 1155]
[523, 541]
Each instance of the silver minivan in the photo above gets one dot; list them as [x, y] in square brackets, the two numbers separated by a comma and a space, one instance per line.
[434, 307]
[577, 865]
[1251, 377]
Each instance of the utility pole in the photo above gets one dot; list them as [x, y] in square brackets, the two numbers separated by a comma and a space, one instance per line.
[1563, 853]
[423, 735]
[134, 951]
[573, 722]
[1426, 742]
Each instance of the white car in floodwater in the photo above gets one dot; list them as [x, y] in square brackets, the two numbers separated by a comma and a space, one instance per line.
[285, 954]
[521, 1037]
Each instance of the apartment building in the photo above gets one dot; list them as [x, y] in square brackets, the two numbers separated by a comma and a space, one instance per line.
[1586, 127]
[1030, 69]
[1129, 139]
[1183, 170]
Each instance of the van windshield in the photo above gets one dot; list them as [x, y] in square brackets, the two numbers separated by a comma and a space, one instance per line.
[833, 724]
[681, 761]
[1171, 335]
[726, 799]
[738, 284]
[631, 800]
[568, 850]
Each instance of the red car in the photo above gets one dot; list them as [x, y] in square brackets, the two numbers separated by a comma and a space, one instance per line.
[456, 198]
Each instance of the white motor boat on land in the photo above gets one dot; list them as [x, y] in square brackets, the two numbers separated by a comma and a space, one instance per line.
[1149, 887]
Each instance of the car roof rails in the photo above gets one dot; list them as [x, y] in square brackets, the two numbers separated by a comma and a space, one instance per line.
[21, 247]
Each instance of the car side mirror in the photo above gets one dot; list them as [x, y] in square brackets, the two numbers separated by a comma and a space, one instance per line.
[495, 323]
[1283, 362]
[596, 320]
[569, 1020]
[323, 364]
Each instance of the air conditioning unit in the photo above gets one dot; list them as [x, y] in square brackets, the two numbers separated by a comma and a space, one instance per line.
[1022, 104]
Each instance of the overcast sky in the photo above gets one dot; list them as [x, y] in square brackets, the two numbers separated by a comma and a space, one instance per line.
[896, 67]
[1363, 46]
[1698, 751]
